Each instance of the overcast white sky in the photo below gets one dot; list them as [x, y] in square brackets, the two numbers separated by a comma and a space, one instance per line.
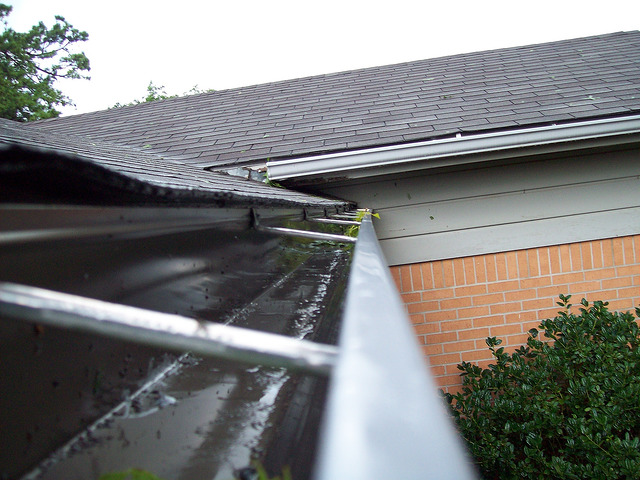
[235, 43]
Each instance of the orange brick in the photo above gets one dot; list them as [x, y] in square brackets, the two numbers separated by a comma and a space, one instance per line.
[453, 389]
[504, 330]
[501, 266]
[411, 297]
[432, 349]
[469, 271]
[596, 254]
[572, 277]
[470, 290]
[512, 264]
[455, 325]
[537, 304]
[482, 353]
[503, 286]
[607, 253]
[395, 275]
[452, 370]
[587, 259]
[441, 315]
[473, 312]
[590, 286]
[526, 326]
[427, 275]
[521, 317]
[458, 346]
[628, 250]
[613, 283]
[447, 272]
[543, 261]
[600, 274]
[437, 294]
[416, 278]
[506, 307]
[565, 258]
[553, 291]
[437, 370]
[629, 270]
[636, 248]
[550, 312]
[622, 305]
[490, 263]
[473, 333]
[427, 328]
[439, 338]
[617, 246]
[517, 340]
[628, 292]
[532, 260]
[425, 307]
[448, 380]
[481, 273]
[458, 271]
[417, 318]
[576, 256]
[536, 282]
[444, 359]
[438, 276]
[554, 259]
[488, 321]
[488, 299]
[455, 303]
[523, 263]
[520, 295]
[405, 278]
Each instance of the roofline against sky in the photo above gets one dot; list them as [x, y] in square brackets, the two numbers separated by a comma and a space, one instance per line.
[458, 150]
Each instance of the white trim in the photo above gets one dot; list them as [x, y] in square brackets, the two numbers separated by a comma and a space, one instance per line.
[418, 155]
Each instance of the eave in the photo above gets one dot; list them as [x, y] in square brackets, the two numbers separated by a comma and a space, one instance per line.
[456, 151]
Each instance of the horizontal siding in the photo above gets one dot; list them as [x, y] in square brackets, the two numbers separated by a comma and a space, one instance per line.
[437, 215]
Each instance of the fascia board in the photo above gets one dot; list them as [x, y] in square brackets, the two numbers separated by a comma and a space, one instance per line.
[459, 150]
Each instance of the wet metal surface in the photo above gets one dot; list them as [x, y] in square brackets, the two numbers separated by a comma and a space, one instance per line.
[163, 330]
[200, 420]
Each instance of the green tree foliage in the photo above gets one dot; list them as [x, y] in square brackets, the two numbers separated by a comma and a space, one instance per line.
[567, 407]
[155, 92]
[30, 64]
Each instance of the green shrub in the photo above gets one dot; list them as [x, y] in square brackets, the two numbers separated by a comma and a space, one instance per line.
[567, 407]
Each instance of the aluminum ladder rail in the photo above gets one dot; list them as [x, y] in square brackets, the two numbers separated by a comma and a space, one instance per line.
[384, 418]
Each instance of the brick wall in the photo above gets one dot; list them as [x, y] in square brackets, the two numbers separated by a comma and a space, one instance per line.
[455, 304]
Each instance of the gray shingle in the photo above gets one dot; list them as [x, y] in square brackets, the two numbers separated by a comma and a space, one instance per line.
[136, 173]
[508, 88]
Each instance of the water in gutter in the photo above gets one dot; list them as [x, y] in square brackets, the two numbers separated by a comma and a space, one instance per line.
[106, 405]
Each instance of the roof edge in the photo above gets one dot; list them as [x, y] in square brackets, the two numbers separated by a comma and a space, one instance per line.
[458, 150]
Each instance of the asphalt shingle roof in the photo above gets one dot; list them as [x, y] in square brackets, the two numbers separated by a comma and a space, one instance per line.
[511, 88]
[134, 172]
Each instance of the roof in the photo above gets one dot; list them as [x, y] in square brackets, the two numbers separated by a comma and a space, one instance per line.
[522, 87]
[126, 173]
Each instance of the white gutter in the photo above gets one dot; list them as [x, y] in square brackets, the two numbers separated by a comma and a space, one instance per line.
[451, 151]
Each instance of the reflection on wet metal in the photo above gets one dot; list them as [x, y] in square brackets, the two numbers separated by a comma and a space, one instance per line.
[164, 330]
[329, 237]
[336, 221]
[384, 418]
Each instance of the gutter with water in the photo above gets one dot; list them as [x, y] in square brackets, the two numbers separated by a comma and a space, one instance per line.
[191, 331]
